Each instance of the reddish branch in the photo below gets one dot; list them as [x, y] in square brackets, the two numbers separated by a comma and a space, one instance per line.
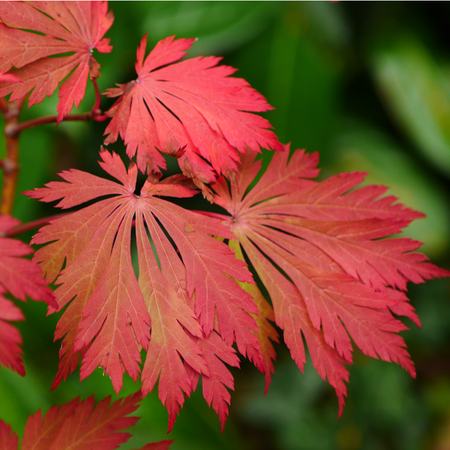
[10, 164]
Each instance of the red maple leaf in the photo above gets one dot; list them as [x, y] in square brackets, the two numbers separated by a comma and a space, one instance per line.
[8, 441]
[79, 425]
[20, 278]
[185, 289]
[191, 109]
[32, 33]
[321, 254]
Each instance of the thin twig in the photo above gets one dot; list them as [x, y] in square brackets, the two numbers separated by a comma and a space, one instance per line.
[18, 128]
[10, 164]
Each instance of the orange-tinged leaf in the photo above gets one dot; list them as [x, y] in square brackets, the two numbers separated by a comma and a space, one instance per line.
[186, 286]
[291, 315]
[266, 332]
[215, 385]
[32, 33]
[115, 318]
[191, 109]
[171, 316]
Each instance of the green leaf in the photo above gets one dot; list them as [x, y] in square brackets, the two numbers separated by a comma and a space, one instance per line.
[414, 87]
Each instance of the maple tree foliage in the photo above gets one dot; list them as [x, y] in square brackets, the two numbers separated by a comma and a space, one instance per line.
[19, 277]
[184, 292]
[32, 33]
[319, 251]
[79, 425]
[111, 313]
[192, 110]
[338, 280]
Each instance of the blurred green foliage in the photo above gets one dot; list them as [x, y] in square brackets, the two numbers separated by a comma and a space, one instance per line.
[368, 86]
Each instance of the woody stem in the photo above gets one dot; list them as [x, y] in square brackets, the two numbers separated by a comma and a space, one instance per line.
[10, 164]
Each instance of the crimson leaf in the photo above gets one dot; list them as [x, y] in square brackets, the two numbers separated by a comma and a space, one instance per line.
[320, 250]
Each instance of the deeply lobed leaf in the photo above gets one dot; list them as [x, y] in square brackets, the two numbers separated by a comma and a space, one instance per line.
[192, 110]
[31, 33]
[79, 425]
[322, 254]
[186, 286]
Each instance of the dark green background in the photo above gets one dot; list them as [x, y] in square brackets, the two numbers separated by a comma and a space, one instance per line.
[368, 86]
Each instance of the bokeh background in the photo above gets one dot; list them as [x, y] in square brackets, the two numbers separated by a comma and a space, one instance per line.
[368, 86]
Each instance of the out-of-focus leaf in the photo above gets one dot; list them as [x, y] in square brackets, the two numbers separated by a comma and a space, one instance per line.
[219, 26]
[361, 147]
[414, 86]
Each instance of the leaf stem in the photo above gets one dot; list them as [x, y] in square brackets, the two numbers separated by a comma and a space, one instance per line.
[98, 98]
[97, 113]
[94, 114]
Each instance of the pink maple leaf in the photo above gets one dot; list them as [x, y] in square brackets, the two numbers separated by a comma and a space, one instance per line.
[192, 109]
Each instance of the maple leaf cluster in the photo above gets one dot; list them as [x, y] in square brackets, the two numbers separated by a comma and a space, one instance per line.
[321, 249]
[316, 247]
